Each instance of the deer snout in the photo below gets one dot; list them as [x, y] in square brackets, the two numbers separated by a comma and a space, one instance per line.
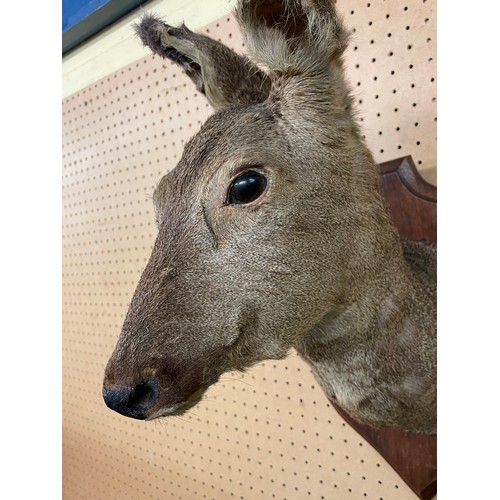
[132, 402]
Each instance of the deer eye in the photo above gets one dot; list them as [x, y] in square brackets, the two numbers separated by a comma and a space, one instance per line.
[246, 188]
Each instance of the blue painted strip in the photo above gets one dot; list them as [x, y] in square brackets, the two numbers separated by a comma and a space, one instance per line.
[75, 11]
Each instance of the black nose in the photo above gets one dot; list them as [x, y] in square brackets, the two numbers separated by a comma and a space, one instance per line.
[132, 401]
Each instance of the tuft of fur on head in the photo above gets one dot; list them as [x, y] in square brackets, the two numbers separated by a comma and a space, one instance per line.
[152, 31]
[149, 30]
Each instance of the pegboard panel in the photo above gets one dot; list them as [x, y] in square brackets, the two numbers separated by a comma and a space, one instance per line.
[391, 64]
[267, 434]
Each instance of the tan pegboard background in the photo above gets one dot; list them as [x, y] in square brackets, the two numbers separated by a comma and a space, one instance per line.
[270, 433]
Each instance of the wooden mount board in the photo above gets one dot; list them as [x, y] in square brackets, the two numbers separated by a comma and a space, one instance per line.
[412, 201]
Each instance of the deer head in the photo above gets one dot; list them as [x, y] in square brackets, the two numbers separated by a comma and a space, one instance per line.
[271, 219]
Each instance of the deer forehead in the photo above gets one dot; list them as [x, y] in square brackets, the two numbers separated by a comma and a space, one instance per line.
[227, 140]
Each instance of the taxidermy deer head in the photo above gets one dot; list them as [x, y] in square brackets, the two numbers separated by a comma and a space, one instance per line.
[273, 234]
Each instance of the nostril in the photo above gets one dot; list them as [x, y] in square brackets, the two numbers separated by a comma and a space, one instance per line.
[132, 402]
[142, 396]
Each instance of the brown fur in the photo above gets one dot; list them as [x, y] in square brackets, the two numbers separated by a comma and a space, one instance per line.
[315, 263]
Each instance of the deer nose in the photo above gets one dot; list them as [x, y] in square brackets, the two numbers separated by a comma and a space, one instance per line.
[132, 401]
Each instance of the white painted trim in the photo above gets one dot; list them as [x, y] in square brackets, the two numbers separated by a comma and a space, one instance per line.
[117, 46]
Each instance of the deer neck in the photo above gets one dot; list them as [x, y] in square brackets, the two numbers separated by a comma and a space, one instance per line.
[367, 353]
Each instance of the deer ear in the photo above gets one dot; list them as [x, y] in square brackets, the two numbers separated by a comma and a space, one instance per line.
[226, 78]
[301, 42]
[292, 36]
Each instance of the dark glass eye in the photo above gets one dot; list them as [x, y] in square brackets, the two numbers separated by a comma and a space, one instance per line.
[246, 188]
